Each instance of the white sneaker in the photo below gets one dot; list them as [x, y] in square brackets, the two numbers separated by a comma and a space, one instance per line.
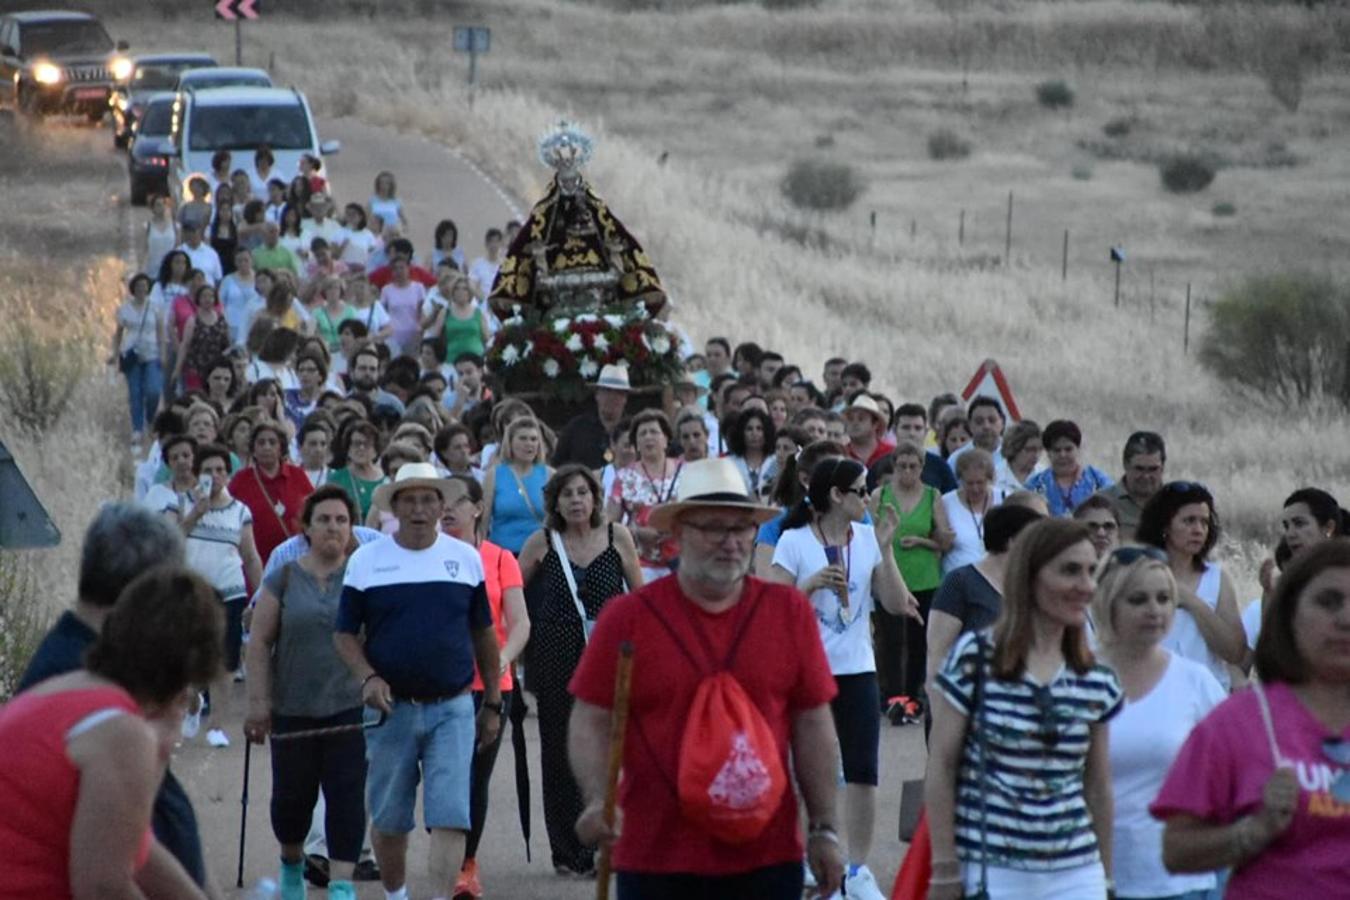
[218, 738]
[862, 885]
[192, 722]
[808, 877]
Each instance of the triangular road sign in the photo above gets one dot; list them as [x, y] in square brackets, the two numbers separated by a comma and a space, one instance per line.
[990, 381]
[23, 521]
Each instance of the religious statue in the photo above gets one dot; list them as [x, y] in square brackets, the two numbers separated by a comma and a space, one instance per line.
[572, 255]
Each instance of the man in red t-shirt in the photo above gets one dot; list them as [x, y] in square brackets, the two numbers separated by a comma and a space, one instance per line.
[780, 663]
[401, 248]
[867, 425]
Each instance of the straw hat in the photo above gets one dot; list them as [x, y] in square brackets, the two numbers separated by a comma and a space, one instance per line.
[614, 378]
[866, 404]
[710, 484]
[410, 475]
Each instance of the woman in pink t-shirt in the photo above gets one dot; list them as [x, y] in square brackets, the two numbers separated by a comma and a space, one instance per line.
[1263, 783]
[85, 751]
[402, 299]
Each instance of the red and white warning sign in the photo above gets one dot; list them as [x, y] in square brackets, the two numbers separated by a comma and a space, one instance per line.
[989, 381]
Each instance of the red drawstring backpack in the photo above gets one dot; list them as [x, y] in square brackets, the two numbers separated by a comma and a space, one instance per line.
[731, 780]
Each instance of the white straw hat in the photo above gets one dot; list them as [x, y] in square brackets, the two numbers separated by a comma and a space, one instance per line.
[410, 475]
[614, 378]
[710, 484]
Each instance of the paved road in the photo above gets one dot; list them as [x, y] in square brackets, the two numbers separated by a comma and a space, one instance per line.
[434, 183]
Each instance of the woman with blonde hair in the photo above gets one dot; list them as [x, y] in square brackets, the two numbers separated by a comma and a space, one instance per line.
[515, 486]
[967, 506]
[1018, 789]
[450, 311]
[1166, 696]
[384, 202]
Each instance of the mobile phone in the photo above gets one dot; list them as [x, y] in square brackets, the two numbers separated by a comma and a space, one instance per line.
[205, 483]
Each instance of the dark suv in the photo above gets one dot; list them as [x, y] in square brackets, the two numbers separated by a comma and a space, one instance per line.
[56, 61]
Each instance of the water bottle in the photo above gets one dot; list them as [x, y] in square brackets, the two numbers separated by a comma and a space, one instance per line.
[267, 889]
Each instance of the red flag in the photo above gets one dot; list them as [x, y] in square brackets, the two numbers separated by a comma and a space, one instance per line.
[911, 882]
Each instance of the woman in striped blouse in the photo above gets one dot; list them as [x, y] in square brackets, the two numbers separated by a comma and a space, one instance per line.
[1018, 789]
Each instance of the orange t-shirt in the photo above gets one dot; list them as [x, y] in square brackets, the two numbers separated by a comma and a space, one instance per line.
[500, 573]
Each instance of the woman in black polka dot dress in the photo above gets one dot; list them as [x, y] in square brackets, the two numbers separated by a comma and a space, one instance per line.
[603, 563]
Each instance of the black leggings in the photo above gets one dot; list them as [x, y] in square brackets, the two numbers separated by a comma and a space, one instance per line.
[902, 650]
[483, 763]
[781, 882]
[337, 764]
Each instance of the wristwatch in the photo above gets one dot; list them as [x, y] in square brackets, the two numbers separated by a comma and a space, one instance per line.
[495, 707]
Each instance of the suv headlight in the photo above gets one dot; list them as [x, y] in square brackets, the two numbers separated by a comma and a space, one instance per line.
[46, 73]
[121, 68]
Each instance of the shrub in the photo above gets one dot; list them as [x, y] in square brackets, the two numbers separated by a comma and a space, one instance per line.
[1280, 340]
[22, 621]
[947, 144]
[1119, 126]
[1082, 172]
[38, 376]
[1186, 173]
[1055, 94]
[822, 185]
[1223, 210]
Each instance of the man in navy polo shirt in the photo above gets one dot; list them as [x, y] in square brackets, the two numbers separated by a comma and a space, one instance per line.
[420, 601]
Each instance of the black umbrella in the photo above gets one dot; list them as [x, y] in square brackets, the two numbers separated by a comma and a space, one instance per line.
[519, 709]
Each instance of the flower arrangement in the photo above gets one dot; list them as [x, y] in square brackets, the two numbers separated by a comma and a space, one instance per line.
[558, 356]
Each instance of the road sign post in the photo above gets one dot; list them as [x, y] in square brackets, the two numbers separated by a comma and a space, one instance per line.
[237, 11]
[473, 40]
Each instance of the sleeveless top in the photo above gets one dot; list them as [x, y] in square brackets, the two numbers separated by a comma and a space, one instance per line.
[209, 343]
[1185, 638]
[40, 786]
[919, 566]
[557, 638]
[463, 335]
[517, 506]
[159, 242]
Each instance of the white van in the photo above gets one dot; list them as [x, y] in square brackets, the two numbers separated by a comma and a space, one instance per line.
[241, 119]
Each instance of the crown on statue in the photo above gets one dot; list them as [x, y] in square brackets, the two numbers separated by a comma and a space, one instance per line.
[566, 148]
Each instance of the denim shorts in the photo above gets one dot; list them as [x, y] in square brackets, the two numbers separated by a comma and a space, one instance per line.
[435, 740]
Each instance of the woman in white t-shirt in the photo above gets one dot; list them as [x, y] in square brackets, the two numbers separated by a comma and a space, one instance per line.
[1166, 695]
[357, 242]
[836, 560]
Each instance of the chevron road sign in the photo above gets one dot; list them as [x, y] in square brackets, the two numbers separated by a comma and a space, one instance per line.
[234, 10]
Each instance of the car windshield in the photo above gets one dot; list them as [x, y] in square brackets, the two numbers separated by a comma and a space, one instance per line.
[76, 36]
[215, 81]
[246, 127]
[158, 120]
[160, 76]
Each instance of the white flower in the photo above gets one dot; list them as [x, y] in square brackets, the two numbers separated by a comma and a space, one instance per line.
[589, 368]
[514, 320]
[574, 343]
[510, 355]
[551, 368]
[601, 343]
[588, 317]
[660, 345]
[529, 348]
[614, 321]
[561, 325]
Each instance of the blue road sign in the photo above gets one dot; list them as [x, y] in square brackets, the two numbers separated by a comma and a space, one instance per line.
[473, 39]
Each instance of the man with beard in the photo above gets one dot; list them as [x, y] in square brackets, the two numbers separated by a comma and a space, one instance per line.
[363, 371]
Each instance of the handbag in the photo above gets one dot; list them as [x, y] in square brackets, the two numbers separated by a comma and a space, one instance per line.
[587, 624]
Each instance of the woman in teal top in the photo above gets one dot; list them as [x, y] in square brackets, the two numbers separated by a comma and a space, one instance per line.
[515, 486]
[920, 540]
[333, 312]
[361, 475]
[466, 328]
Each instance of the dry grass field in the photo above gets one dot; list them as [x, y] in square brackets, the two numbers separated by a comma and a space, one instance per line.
[699, 109]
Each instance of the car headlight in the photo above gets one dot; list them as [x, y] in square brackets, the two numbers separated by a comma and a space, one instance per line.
[46, 73]
[121, 68]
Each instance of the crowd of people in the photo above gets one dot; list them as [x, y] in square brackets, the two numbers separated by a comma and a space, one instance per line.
[336, 504]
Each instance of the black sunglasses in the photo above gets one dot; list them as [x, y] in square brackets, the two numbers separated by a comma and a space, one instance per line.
[1048, 726]
[1127, 555]
[1184, 487]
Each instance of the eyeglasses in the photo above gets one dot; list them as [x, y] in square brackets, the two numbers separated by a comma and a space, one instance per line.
[1127, 555]
[857, 492]
[1048, 724]
[1338, 751]
[719, 533]
[1102, 526]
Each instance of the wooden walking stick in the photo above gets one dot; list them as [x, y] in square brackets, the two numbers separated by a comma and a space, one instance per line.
[623, 680]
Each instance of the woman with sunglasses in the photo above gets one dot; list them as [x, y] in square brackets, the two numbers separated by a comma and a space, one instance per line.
[836, 560]
[1166, 696]
[1263, 783]
[1181, 521]
[1018, 788]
